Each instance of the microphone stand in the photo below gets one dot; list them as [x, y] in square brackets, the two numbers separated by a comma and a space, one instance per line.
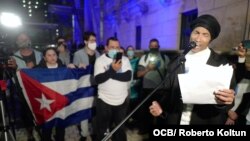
[181, 64]
[23, 102]
[7, 127]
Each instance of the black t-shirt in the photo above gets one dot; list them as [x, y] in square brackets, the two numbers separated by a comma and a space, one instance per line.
[30, 58]
[92, 59]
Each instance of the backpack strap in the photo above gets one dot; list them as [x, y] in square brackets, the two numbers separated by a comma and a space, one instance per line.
[163, 57]
[146, 57]
[19, 57]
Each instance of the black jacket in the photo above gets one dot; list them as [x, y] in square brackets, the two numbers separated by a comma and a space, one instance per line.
[242, 72]
[201, 114]
[244, 106]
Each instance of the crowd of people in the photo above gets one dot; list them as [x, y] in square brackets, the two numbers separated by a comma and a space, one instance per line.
[123, 83]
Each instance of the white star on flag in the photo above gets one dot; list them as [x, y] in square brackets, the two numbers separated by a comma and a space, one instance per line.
[45, 103]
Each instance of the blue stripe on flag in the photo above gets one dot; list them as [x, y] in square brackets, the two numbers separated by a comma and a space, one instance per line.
[75, 118]
[81, 93]
[50, 75]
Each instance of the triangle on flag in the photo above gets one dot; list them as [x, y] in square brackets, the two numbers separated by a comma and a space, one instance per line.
[44, 102]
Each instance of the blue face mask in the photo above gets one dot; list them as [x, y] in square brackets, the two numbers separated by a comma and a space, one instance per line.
[130, 53]
[112, 53]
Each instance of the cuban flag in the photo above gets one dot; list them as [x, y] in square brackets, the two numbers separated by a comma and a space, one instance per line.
[58, 97]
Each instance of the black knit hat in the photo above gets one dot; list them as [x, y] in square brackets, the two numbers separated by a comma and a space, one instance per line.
[209, 22]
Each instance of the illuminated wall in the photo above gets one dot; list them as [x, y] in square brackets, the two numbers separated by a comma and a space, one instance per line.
[157, 18]
[161, 19]
[92, 17]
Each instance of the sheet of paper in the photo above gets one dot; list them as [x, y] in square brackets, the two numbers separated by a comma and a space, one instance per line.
[198, 86]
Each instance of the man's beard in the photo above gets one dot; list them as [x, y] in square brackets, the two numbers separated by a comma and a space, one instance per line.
[24, 44]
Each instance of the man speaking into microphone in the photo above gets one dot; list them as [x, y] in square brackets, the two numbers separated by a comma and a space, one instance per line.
[173, 108]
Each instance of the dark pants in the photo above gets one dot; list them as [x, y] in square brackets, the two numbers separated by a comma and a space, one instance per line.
[107, 117]
[46, 134]
[146, 120]
[219, 119]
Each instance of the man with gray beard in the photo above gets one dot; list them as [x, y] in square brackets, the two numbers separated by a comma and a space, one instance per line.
[25, 57]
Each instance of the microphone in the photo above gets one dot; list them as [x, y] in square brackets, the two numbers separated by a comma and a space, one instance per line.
[190, 46]
[235, 48]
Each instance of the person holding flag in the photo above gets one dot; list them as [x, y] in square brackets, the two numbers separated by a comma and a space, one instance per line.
[50, 60]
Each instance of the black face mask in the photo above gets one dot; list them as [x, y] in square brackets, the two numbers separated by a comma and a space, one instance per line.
[154, 50]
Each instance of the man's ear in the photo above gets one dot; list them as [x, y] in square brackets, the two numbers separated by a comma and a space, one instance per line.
[106, 49]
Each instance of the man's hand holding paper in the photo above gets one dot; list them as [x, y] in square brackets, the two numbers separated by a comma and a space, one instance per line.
[224, 96]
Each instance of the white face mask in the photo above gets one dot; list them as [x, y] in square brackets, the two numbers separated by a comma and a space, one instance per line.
[92, 46]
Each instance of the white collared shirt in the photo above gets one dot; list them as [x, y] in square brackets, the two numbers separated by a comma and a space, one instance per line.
[193, 61]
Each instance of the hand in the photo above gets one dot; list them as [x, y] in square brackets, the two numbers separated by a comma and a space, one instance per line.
[241, 52]
[155, 109]
[116, 65]
[232, 115]
[230, 122]
[30, 64]
[72, 66]
[81, 65]
[224, 96]
[151, 66]
[12, 63]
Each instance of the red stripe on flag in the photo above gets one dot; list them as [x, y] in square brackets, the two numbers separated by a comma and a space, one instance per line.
[3, 85]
